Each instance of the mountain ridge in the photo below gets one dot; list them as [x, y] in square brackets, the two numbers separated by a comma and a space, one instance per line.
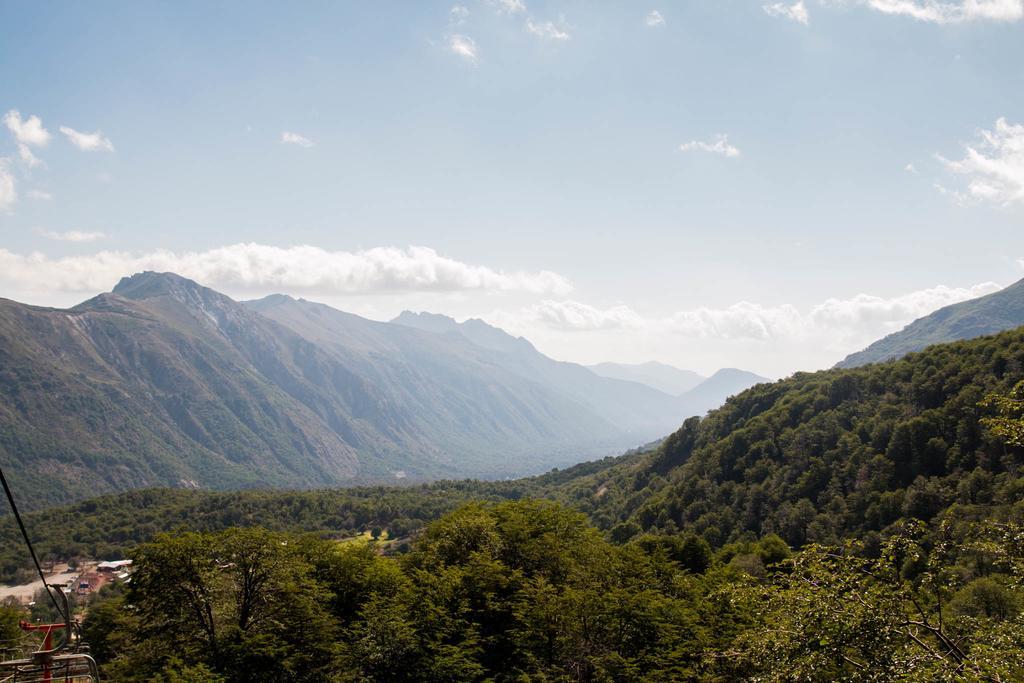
[663, 377]
[164, 382]
[989, 314]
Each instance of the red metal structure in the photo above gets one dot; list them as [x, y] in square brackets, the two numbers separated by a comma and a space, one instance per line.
[47, 631]
[66, 661]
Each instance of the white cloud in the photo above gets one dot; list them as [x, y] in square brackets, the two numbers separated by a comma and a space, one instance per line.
[258, 267]
[910, 168]
[948, 12]
[995, 166]
[41, 195]
[795, 12]
[88, 142]
[290, 138]
[547, 30]
[654, 19]
[719, 145]
[458, 14]
[573, 316]
[28, 131]
[850, 322]
[869, 312]
[463, 46]
[27, 157]
[72, 235]
[8, 191]
[509, 6]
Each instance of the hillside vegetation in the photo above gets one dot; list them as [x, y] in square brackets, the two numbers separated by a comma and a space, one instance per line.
[823, 456]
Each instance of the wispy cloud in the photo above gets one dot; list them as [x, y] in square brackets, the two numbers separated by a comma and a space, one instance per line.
[910, 168]
[509, 6]
[718, 145]
[947, 12]
[654, 19]
[994, 166]
[796, 12]
[290, 138]
[457, 15]
[40, 195]
[27, 133]
[574, 316]
[259, 267]
[8, 190]
[463, 46]
[547, 30]
[27, 157]
[88, 142]
[72, 235]
[858, 320]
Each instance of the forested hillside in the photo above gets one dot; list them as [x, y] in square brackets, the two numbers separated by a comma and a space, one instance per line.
[822, 456]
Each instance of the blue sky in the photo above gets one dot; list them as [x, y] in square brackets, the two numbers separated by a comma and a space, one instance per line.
[707, 183]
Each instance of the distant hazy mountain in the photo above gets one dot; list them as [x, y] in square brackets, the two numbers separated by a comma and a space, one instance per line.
[639, 410]
[476, 416]
[662, 377]
[634, 404]
[1002, 310]
[712, 392]
[474, 329]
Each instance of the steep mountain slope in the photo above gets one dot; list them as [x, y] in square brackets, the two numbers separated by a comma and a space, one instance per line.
[479, 416]
[112, 395]
[1002, 310]
[639, 410]
[660, 376]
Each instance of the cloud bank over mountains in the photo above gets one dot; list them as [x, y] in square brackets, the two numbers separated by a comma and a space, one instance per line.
[381, 281]
[764, 337]
[852, 317]
[250, 266]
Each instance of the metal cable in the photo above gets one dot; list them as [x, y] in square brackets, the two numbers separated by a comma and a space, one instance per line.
[28, 542]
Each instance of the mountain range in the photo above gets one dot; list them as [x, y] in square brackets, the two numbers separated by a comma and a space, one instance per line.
[663, 377]
[990, 314]
[165, 382]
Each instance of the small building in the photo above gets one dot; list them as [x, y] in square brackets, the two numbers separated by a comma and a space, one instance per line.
[114, 566]
[90, 582]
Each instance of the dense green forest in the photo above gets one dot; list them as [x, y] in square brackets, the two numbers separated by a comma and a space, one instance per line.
[824, 456]
[529, 590]
[108, 526]
[861, 524]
